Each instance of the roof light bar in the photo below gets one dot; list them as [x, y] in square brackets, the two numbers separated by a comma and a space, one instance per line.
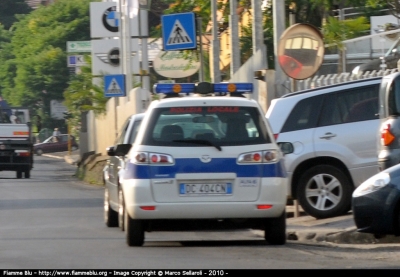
[174, 88]
[204, 88]
[233, 87]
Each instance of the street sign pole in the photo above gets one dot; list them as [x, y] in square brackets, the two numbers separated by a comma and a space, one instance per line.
[201, 71]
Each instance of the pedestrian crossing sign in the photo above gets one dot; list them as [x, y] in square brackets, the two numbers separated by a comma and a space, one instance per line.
[114, 85]
[179, 31]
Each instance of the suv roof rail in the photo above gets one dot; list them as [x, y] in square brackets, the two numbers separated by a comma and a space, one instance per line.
[331, 86]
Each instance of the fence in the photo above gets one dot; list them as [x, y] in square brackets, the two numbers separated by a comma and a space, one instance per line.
[331, 79]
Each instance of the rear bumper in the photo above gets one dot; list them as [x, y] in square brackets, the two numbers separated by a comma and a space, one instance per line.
[388, 158]
[138, 196]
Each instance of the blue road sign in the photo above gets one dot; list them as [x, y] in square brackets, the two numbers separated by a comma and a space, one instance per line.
[114, 85]
[179, 31]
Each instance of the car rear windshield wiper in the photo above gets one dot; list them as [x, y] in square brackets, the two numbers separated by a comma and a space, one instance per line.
[199, 141]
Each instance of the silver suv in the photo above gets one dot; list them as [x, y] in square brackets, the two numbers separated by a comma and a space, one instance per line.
[333, 131]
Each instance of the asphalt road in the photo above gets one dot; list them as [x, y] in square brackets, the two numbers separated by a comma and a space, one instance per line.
[54, 221]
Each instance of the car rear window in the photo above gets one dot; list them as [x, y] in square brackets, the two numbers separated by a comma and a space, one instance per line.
[304, 115]
[195, 126]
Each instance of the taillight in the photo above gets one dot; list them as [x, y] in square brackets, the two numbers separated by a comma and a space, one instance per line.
[264, 207]
[267, 156]
[152, 158]
[252, 157]
[141, 158]
[276, 136]
[270, 156]
[386, 136]
[23, 154]
[156, 158]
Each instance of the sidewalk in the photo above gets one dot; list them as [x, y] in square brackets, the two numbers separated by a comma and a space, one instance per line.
[336, 230]
[302, 228]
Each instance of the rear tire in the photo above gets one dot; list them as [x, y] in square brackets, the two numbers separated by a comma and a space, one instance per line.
[110, 216]
[134, 229]
[324, 191]
[19, 174]
[27, 174]
[39, 152]
[275, 230]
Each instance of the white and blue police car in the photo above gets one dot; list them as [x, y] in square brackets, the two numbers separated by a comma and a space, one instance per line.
[204, 159]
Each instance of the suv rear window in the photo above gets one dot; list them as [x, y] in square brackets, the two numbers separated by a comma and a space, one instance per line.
[190, 126]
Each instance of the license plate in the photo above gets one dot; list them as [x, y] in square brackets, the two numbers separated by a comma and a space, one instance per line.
[205, 189]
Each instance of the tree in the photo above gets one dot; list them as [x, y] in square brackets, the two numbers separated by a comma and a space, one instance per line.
[39, 47]
[336, 31]
[10, 9]
[82, 96]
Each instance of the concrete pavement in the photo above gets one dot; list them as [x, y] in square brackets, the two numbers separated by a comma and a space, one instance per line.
[339, 231]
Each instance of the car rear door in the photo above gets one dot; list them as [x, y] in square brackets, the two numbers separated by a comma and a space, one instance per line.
[347, 130]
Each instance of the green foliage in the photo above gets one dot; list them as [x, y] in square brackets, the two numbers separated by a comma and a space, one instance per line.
[9, 11]
[82, 95]
[33, 68]
[336, 31]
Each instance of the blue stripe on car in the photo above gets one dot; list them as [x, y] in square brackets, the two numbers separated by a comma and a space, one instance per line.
[217, 165]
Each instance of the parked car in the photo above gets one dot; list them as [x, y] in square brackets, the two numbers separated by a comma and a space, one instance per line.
[55, 144]
[112, 172]
[333, 130]
[389, 131]
[376, 204]
[204, 163]
[391, 58]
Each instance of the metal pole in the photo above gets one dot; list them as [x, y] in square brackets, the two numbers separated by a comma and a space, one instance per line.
[201, 71]
[216, 73]
[279, 27]
[258, 35]
[234, 38]
[127, 48]
[292, 21]
[144, 34]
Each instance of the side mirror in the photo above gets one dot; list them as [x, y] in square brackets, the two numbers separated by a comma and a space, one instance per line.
[110, 151]
[286, 147]
[122, 149]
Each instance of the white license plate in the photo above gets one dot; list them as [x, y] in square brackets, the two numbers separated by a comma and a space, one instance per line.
[205, 189]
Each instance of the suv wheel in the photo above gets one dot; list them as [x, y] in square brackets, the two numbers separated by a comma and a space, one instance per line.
[324, 191]
[275, 230]
[121, 209]
[110, 216]
[134, 230]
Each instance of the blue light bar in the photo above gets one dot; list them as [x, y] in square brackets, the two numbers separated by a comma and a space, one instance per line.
[174, 88]
[234, 87]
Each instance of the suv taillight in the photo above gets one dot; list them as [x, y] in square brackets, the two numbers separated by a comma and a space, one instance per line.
[276, 136]
[386, 136]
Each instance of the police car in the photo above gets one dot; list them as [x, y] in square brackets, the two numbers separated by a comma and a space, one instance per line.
[204, 159]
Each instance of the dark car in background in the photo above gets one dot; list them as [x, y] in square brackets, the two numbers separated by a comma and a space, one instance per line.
[55, 144]
[391, 58]
[376, 204]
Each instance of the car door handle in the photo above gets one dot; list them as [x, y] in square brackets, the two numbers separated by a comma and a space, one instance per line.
[327, 136]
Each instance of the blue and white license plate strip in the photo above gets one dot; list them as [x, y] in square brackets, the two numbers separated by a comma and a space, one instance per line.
[205, 189]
